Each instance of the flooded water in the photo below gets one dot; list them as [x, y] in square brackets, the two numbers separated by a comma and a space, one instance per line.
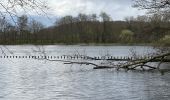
[30, 79]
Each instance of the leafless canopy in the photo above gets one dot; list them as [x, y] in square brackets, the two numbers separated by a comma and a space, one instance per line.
[154, 5]
[13, 8]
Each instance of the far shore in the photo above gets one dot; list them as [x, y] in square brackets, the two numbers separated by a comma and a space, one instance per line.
[89, 44]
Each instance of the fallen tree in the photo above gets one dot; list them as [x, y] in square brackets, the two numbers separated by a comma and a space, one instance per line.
[128, 65]
[160, 56]
[143, 63]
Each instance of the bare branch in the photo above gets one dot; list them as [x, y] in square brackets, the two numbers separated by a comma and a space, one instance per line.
[13, 8]
[153, 5]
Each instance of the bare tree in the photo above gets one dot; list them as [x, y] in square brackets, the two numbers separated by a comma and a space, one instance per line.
[82, 17]
[153, 5]
[22, 23]
[35, 26]
[4, 25]
[159, 8]
[133, 63]
[149, 4]
[64, 20]
[105, 17]
[13, 8]
[93, 17]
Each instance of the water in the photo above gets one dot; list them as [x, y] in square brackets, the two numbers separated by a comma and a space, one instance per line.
[23, 79]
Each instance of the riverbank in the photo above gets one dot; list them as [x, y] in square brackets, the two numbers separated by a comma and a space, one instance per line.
[85, 44]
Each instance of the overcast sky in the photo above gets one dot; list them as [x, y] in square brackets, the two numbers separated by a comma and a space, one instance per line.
[117, 9]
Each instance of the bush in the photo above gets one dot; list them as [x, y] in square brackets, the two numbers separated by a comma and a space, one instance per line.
[165, 40]
[126, 36]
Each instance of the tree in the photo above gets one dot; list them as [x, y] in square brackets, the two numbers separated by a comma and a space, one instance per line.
[65, 20]
[142, 18]
[149, 4]
[35, 26]
[4, 25]
[82, 17]
[161, 10]
[165, 40]
[12, 8]
[157, 6]
[129, 20]
[153, 5]
[22, 27]
[105, 17]
[22, 23]
[166, 17]
[93, 17]
[126, 35]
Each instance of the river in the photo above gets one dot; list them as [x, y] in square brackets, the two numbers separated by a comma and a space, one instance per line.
[31, 79]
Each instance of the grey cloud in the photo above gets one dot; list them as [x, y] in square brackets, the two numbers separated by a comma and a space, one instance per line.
[117, 9]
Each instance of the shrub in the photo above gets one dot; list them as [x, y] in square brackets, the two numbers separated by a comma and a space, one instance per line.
[165, 40]
[126, 36]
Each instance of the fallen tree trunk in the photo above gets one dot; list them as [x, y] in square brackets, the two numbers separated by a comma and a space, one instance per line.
[142, 63]
[130, 65]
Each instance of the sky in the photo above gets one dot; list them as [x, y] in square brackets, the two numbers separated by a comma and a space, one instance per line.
[117, 9]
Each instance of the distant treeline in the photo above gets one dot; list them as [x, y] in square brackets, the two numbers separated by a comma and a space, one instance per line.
[88, 29]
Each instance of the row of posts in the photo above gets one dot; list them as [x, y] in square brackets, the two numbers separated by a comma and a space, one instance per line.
[74, 57]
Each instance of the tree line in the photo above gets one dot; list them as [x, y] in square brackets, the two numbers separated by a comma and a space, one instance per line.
[92, 28]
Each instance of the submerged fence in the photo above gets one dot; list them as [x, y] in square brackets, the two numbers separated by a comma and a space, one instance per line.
[118, 58]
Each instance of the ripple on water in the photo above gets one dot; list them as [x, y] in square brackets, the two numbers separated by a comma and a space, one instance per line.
[38, 80]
